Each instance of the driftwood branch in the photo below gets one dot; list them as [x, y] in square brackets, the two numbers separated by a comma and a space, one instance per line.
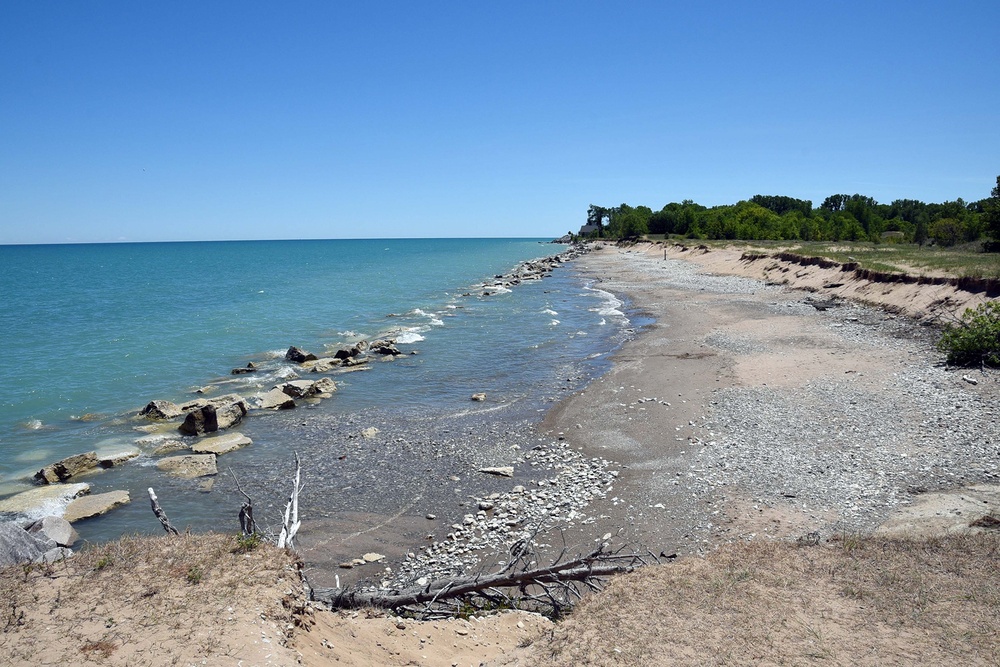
[247, 524]
[552, 588]
[160, 514]
[291, 523]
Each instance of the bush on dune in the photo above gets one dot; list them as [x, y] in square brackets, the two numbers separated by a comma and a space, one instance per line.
[975, 341]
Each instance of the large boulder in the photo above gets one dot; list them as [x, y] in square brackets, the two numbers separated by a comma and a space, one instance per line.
[54, 528]
[221, 444]
[298, 356]
[43, 499]
[95, 505]
[161, 410]
[60, 471]
[219, 413]
[189, 465]
[18, 546]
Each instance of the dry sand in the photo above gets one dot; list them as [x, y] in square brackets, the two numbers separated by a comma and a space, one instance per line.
[612, 418]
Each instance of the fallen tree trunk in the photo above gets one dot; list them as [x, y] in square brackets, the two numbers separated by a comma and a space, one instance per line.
[555, 586]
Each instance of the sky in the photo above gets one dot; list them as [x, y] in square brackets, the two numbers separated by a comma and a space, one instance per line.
[189, 120]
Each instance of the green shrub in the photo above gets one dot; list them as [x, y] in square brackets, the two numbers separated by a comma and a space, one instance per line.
[976, 340]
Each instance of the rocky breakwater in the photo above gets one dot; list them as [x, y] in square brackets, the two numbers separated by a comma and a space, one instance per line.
[535, 269]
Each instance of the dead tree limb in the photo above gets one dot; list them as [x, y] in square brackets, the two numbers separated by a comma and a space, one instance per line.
[554, 587]
[247, 524]
[160, 514]
[291, 524]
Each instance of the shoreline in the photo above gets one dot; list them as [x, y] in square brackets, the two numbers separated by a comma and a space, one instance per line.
[740, 414]
[742, 411]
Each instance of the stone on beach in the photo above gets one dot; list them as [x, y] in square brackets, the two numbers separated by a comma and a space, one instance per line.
[68, 467]
[500, 471]
[299, 356]
[189, 465]
[307, 388]
[217, 414]
[19, 546]
[54, 528]
[221, 444]
[479, 397]
[369, 433]
[161, 410]
[384, 347]
[322, 365]
[33, 500]
[275, 399]
[95, 505]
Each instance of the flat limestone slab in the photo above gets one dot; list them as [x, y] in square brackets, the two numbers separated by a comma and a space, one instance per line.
[189, 465]
[95, 505]
[221, 444]
[34, 501]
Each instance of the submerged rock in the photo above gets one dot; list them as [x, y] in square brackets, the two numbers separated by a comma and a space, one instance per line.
[189, 465]
[221, 444]
[95, 505]
[275, 399]
[113, 459]
[34, 501]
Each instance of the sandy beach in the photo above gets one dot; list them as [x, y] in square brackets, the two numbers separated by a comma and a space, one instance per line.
[740, 414]
[744, 411]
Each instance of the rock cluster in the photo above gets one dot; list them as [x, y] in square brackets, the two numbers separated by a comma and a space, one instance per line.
[44, 541]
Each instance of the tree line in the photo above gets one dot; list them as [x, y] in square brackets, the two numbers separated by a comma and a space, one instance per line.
[840, 217]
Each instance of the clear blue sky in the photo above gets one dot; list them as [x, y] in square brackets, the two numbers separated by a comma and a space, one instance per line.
[187, 120]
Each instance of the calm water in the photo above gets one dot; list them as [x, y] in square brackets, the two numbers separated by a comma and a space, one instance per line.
[91, 333]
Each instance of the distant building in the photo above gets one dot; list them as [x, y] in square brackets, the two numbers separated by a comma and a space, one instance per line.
[587, 230]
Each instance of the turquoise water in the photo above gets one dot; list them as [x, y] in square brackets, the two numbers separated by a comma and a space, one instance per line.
[91, 333]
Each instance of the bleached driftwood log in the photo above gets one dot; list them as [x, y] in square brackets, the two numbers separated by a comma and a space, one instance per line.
[291, 523]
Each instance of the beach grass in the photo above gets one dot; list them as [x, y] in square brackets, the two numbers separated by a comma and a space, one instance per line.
[960, 261]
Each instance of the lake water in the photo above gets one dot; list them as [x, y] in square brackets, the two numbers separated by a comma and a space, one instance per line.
[91, 333]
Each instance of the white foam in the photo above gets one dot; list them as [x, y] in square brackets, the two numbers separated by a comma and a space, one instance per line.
[554, 323]
[549, 311]
[33, 424]
[611, 305]
[408, 337]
